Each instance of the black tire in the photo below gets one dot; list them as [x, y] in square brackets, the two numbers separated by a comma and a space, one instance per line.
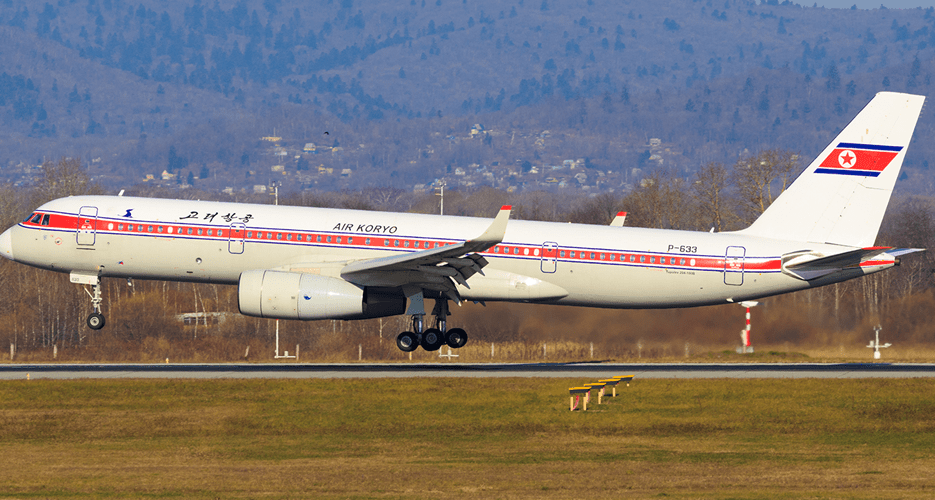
[432, 339]
[96, 321]
[407, 342]
[456, 338]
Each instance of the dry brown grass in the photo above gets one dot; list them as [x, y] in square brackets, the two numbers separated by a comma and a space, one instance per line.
[477, 438]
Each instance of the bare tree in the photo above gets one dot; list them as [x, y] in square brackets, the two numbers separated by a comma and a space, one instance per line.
[64, 178]
[711, 183]
[759, 177]
[660, 201]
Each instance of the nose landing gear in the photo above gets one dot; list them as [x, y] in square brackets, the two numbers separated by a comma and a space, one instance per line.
[96, 319]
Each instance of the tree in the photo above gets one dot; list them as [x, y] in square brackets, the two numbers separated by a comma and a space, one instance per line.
[64, 178]
[711, 182]
[758, 177]
[661, 202]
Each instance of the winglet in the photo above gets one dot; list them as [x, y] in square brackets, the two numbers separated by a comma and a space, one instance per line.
[494, 234]
[619, 219]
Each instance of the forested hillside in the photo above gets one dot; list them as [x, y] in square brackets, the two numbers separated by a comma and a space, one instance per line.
[135, 87]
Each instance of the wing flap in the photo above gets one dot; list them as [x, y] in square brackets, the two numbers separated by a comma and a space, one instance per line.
[434, 269]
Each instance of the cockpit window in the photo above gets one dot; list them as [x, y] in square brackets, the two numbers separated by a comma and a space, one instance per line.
[36, 218]
[45, 220]
[28, 217]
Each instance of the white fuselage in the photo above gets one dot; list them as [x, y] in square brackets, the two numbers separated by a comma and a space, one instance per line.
[548, 262]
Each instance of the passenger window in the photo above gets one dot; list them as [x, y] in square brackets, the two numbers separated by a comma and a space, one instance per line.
[561, 253]
[592, 255]
[278, 236]
[201, 231]
[318, 239]
[367, 241]
[350, 241]
[289, 236]
[406, 243]
[632, 258]
[642, 258]
[130, 227]
[338, 239]
[683, 262]
[386, 243]
[395, 243]
[119, 227]
[571, 254]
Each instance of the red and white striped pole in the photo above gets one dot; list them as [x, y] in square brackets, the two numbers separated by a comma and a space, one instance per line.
[745, 333]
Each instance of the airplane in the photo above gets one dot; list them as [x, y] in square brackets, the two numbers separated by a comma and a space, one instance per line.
[320, 263]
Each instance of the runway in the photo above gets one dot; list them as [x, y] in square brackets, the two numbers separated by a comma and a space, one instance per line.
[478, 370]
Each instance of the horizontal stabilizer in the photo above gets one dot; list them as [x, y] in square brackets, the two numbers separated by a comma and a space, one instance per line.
[808, 266]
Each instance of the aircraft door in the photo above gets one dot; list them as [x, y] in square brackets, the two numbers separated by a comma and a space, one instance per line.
[733, 265]
[236, 242]
[87, 226]
[549, 257]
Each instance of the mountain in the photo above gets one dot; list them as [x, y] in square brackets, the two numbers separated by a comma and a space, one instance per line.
[135, 88]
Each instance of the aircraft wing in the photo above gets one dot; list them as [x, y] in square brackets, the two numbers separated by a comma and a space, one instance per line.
[434, 269]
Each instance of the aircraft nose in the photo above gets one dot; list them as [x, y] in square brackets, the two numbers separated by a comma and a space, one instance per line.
[6, 244]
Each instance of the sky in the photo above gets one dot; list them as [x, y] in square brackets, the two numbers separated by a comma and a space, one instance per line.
[868, 4]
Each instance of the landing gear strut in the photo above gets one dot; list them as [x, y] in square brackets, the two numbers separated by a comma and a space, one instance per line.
[96, 319]
[432, 338]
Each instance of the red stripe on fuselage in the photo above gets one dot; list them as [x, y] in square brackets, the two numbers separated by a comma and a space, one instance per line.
[60, 222]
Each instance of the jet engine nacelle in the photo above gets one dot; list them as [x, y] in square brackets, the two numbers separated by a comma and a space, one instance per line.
[286, 295]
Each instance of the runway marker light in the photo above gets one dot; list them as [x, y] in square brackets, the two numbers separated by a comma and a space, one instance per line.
[575, 396]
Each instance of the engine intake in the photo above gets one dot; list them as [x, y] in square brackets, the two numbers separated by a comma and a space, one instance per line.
[286, 295]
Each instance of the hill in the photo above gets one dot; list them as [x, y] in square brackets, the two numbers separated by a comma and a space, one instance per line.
[389, 93]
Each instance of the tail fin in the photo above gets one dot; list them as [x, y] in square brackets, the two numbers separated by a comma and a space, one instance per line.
[841, 197]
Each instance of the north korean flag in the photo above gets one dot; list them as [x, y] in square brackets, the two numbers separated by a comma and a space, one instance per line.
[866, 160]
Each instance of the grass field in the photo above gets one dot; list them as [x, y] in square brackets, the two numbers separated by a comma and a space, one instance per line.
[466, 438]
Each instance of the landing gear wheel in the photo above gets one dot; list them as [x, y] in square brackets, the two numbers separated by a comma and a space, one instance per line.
[96, 321]
[456, 338]
[407, 342]
[432, 339]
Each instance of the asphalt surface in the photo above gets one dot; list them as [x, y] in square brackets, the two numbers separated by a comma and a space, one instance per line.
[455, 369]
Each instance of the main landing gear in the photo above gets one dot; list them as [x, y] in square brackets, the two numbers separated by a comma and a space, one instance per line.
[433, 338]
